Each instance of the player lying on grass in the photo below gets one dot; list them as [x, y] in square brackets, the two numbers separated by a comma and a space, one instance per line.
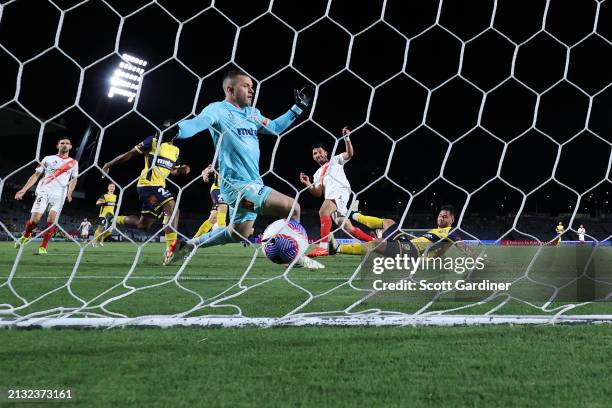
[107, 205]
[235, 127]
[331, 182]
[53, 189]
[218, 212]
[432, 243]
[159, 163]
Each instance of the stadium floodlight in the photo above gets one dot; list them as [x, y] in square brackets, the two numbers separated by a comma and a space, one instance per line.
[127, 77]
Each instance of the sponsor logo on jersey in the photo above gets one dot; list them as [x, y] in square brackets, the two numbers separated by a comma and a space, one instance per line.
[165, 163]
[245, 131]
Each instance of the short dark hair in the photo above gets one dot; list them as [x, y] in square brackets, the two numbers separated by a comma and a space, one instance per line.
[232, 75]
[319, 145]
[449, 208]
[59, 139]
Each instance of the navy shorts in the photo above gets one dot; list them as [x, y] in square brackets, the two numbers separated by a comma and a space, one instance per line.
[153, 199]
[398, 243]
[216, 197]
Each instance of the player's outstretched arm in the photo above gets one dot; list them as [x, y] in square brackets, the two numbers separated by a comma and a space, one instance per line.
[31, 181]
[120, 159]
[190, 127]
[314, 190]
[349, 153]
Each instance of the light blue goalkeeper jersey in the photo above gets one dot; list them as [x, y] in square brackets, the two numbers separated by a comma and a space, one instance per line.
[235, 134]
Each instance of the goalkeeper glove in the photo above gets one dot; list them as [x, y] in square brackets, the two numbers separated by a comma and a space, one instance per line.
[304, 96]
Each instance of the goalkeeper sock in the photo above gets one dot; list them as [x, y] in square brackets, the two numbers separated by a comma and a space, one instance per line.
[221, 219]
[326, 223]
[121, 219]
[106, 235]
[170, 238]
[359, 234]
[219, 236]
[351, 249]
[29, 227]
[368, 221]
[48, 234]
[204, 228]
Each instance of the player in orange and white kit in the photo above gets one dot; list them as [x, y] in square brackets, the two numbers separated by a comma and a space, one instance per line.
[84, 228]
[60, 177]
[330, 182]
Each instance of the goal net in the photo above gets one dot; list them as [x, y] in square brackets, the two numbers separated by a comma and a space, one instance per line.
[500, 108]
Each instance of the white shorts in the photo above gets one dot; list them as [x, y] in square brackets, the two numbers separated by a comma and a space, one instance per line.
[84, 233]
[341, 199]
[581, 238]
[54, 202]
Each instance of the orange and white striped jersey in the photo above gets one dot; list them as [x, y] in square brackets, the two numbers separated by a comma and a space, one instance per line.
[57, 172]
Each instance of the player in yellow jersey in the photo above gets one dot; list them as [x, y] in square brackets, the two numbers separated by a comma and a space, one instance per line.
[218, 212]
[107, 204]
[559, 230]
[160, 162]
[432, 243]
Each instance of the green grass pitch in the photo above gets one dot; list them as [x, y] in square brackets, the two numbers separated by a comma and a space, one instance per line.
[288, 366]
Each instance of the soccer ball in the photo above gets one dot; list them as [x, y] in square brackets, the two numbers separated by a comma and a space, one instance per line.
[284, 241]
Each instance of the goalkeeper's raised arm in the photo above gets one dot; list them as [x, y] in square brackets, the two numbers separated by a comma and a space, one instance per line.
[238, 90]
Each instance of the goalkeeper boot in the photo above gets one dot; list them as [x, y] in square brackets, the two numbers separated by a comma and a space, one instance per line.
[42, 251]
[22, 241]
[318, 251]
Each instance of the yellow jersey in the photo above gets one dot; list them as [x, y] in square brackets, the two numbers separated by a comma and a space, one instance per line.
[155, 174]
[110, 201]
[435, 242]
[560, 229]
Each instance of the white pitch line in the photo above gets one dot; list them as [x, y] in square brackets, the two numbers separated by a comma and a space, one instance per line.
[169, 277]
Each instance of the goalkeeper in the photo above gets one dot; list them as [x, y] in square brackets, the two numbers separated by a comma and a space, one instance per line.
[235, 125]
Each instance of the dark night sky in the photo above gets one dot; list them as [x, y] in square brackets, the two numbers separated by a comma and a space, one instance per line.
[400, 108]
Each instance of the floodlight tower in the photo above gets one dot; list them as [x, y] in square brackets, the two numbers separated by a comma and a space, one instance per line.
[127, 78]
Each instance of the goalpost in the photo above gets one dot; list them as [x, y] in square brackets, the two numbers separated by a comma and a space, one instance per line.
[343, 300]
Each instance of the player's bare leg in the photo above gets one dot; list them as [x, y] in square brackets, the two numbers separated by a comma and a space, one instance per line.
[280, 205]
[276, 204]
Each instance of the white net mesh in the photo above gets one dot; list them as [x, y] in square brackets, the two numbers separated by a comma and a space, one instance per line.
[409, 82]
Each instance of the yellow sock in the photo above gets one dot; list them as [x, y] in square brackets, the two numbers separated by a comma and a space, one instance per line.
[165, 221]
[221, 219]
[98, 232]
[105, 235]
[351, 249]
[120, 219]
[369, 221]
[204, 228]
[170, 237]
